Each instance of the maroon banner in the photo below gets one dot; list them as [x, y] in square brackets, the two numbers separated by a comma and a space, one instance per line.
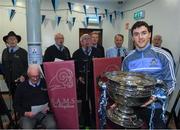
[100, 66]
[61, 84]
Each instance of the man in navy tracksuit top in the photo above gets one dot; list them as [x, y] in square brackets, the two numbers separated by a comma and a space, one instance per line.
[154, 62]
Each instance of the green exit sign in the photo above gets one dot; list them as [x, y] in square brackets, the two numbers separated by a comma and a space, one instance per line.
[139, 15]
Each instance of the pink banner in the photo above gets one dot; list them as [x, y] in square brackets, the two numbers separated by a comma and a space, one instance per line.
[61, 84]
[102, 65]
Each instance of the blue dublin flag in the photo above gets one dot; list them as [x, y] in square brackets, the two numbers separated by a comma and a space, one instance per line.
[115, 14]
[106, 13]
[73, 20]
[58, 20]
[122, 14]
[87, 20]
[12, 12]
[14, 2]
[99, 19]
[84, 6]
[70, 7]
[43, 18]
[95, 9]
[110, 18]
[54, 4]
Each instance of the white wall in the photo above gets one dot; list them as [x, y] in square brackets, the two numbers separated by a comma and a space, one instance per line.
[163, 15]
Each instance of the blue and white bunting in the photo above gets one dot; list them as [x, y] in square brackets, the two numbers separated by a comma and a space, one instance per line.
[43, 18]
[73, 20]
[70, 7]
[115, 14]
[95, 9]
[85, 12]
[122, 15]
[14, 2]
[95, 16]
[54, 4]
[58, 19]
[106, 12]
[87, 21]
[12, 12]
[99, 19]
[110, 18]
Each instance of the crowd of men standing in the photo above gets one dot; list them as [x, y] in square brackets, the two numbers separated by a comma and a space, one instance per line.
[15, 64]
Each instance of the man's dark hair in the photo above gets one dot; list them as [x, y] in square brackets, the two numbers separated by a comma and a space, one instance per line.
[139, 24]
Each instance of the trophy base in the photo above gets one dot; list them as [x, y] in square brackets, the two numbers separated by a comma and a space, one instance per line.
[124, 116]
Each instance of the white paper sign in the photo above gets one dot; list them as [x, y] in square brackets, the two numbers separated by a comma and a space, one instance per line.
[56, 59]
[39, 108]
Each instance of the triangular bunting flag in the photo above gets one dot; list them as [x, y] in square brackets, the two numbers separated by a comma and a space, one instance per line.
[87, 21]
[110, 18]
[99, 19]
[12, 12]
[115, 14]
[43, 18]
[54, 4]
[84, 6]
[122, 15]
[14, 2]
[106, 13]
[95, 9]
[73, 20]
[70, 7]
[58, 19]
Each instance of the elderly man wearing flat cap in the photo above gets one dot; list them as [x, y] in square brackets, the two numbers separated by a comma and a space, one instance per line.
[14, 61]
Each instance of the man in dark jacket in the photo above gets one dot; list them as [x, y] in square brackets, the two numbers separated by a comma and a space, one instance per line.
[96, 44]
[157, 42]
[31, 101]
[58, 50]
[14, 61]
[84, 73]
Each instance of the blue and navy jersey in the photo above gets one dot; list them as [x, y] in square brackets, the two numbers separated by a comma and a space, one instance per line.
[152, 61]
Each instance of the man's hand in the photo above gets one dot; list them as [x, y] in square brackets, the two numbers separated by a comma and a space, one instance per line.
[45, 110]
[29, 114]
[81, 79]
[151, 100]
[113, 106]
[21, 78]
